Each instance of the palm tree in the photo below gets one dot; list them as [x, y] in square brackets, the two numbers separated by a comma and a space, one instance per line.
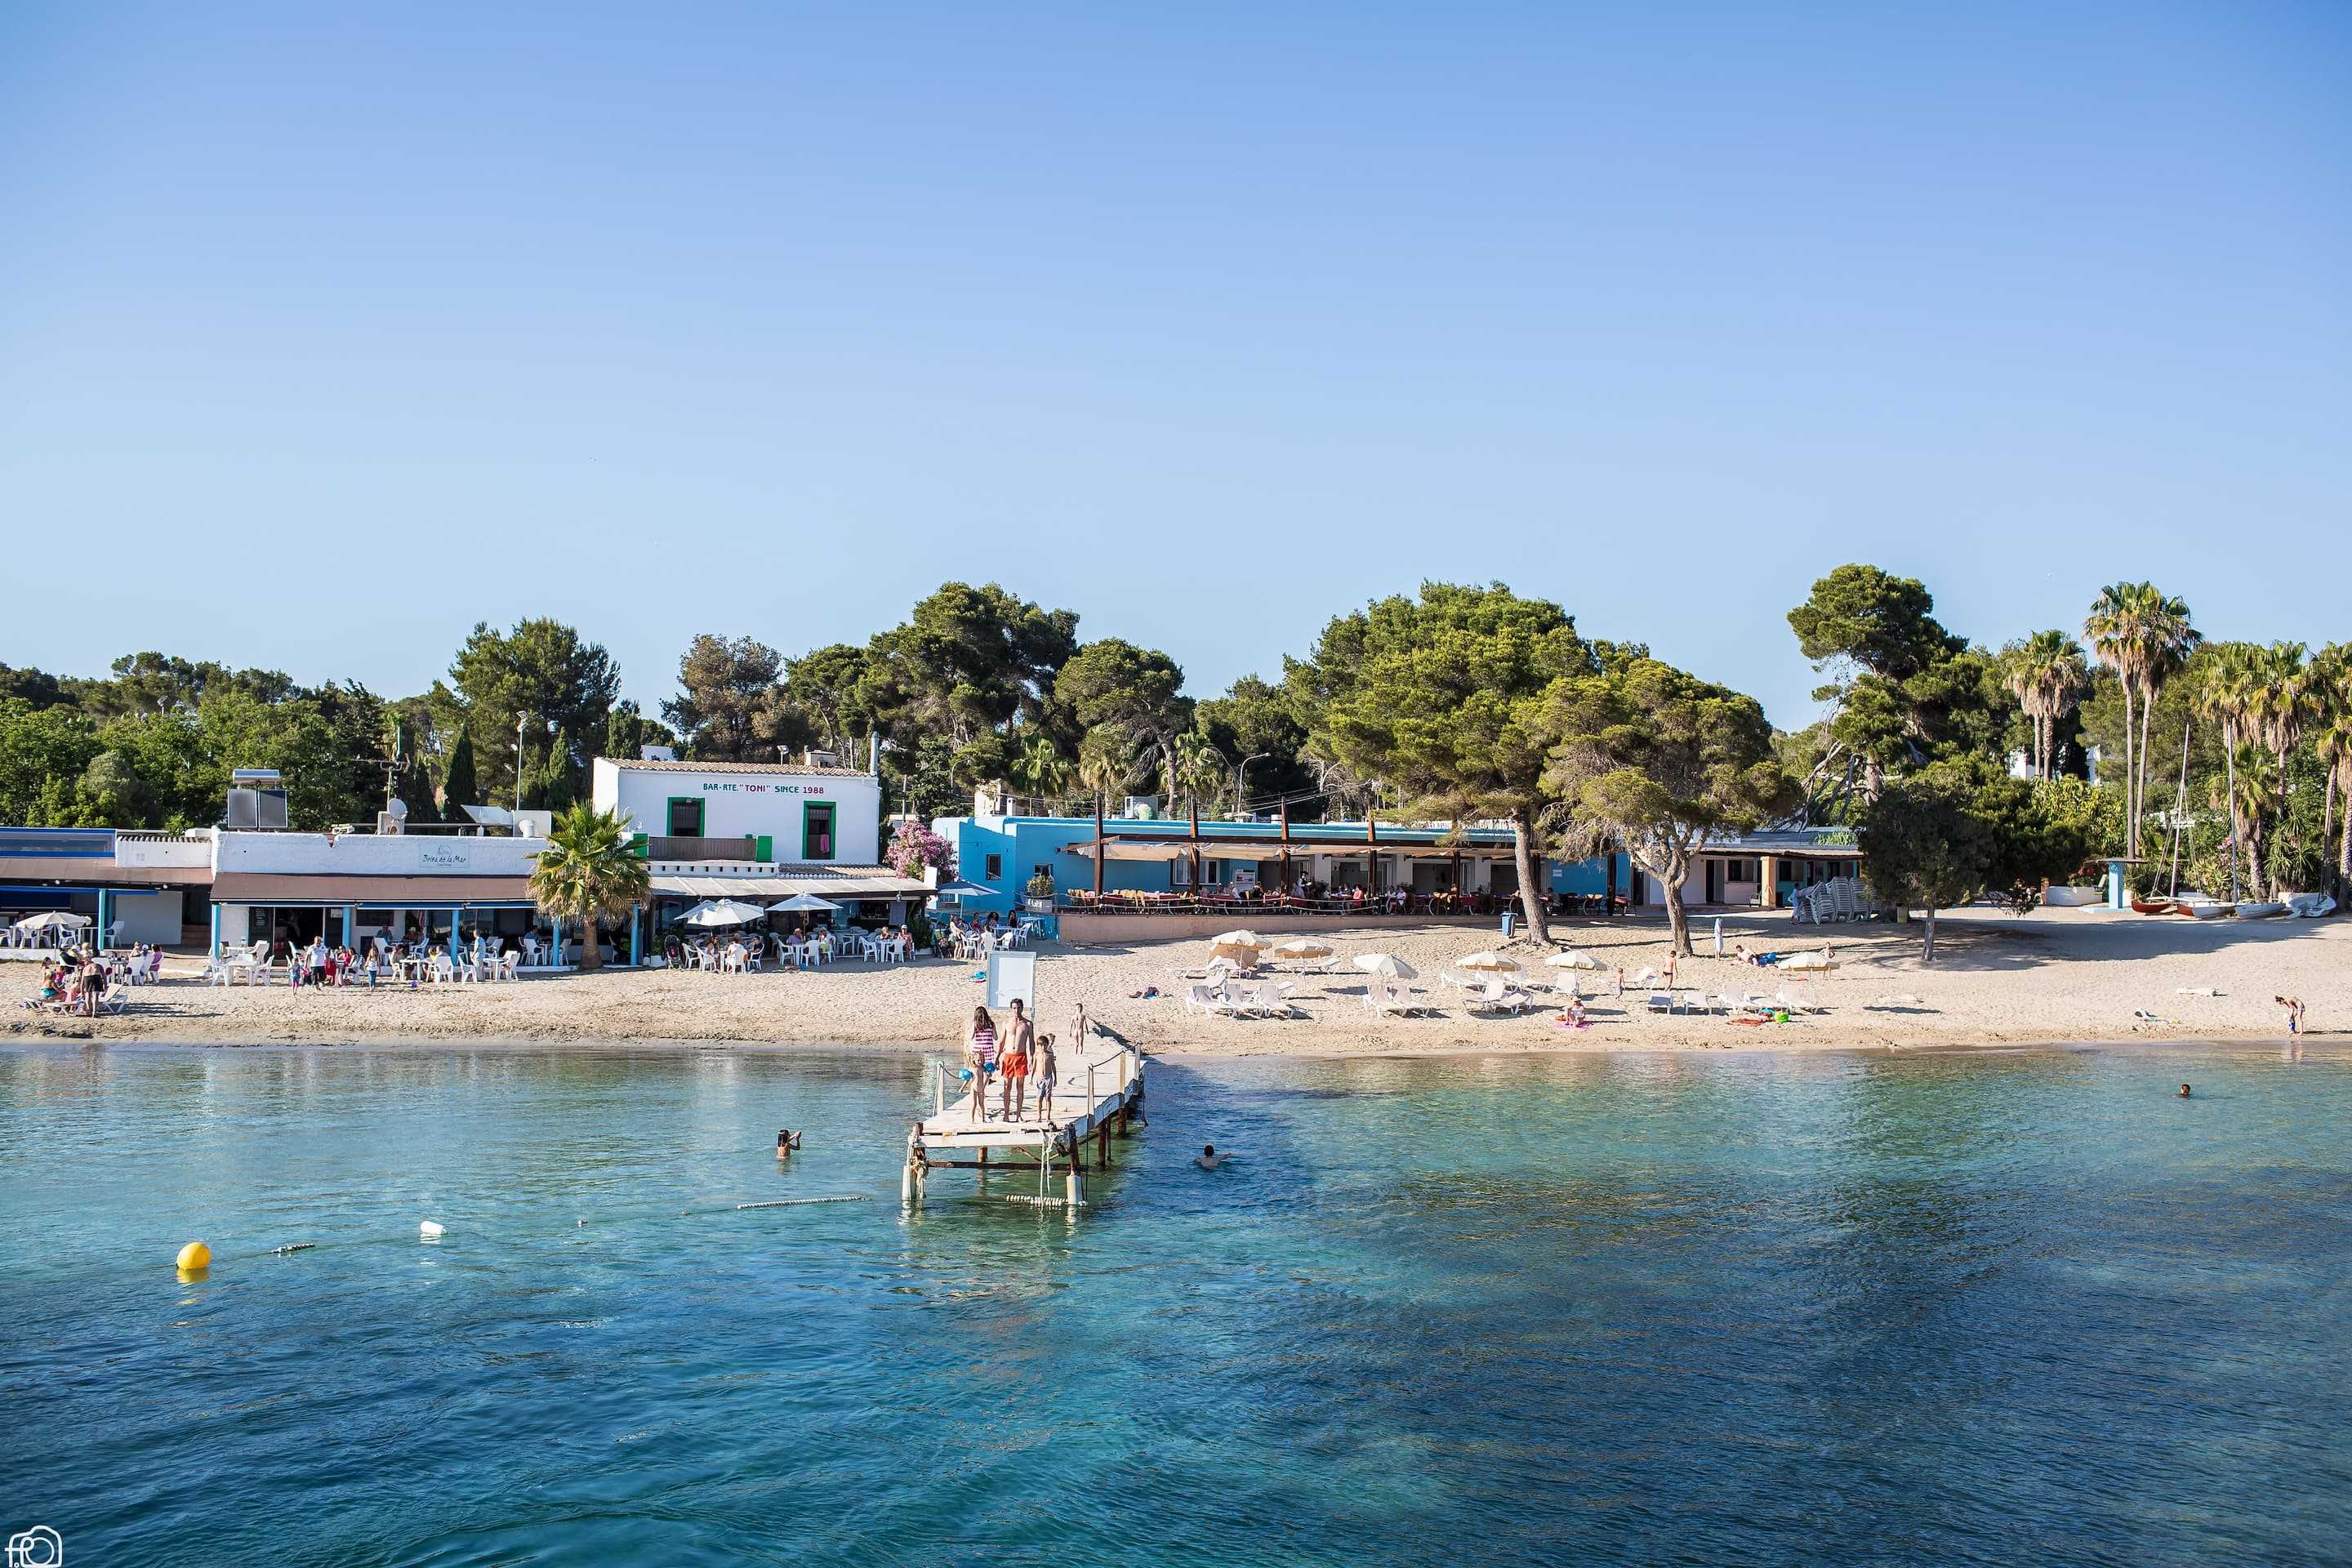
[2283, 704]
[2331, 738]
[1104, 763]
[2227, 696]
[2147, 636]
[1041, 769]
[589, 871]
[2246, 794]
[1194, 768]
[2046, 674]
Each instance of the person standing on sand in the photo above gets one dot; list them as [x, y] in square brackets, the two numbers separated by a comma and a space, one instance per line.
[979, 1056]
[1078, 1027]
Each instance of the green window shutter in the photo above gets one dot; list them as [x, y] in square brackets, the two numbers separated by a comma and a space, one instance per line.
[763, 848]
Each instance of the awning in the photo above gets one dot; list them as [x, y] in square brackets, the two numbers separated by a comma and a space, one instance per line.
[824, 882]
[1271, 849]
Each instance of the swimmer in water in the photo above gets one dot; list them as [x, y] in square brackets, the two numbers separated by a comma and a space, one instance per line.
[1208, 1159]
[786, 1142]
[2184, 1092]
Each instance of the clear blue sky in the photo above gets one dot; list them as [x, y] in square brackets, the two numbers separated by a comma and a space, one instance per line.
[327, 330]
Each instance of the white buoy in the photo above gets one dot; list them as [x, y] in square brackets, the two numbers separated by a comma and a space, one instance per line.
[430, 1230]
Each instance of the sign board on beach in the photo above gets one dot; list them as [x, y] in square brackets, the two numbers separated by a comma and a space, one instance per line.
[1012, 974]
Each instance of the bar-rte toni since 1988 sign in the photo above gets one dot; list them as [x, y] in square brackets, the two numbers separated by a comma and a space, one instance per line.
[737, 786]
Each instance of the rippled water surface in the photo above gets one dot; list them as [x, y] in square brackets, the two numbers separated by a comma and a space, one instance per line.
[2015, 1309]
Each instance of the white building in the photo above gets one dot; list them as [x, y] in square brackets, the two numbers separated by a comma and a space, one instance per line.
[756, 832]
[804, 813]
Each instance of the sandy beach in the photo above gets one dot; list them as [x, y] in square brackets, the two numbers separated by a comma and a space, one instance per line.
[2057, 975]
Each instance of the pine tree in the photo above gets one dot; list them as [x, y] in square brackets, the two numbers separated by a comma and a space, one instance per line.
[559, 790]
[459, 786]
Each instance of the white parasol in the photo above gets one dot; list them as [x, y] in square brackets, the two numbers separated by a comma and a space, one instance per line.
[726, 912]
[53, 921]
[1303, 947]
[1574, 958]
[802, 904]
[1388, 964]
[1489, 964]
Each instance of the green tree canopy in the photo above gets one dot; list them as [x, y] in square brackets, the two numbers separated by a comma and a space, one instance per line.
[541, 670]
[731, 706]
[827, 687]
[1947, 835]
[1644, 757]
[1139, 690]
[1444, 698]
[1256, 721]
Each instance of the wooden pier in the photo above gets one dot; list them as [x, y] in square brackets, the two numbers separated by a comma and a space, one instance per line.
[1097, 1096]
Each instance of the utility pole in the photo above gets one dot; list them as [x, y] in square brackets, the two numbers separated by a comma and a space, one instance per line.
[520, 720]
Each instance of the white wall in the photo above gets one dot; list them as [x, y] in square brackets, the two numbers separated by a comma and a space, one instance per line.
[749, 805]
[377, 855]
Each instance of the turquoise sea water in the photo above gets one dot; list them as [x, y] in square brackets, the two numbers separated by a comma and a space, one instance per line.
[2025, 1308]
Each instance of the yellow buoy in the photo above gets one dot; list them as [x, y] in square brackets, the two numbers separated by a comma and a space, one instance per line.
[195, 1256]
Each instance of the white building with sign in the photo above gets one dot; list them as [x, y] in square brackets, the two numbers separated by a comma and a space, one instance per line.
[758, 833]
[804, 813]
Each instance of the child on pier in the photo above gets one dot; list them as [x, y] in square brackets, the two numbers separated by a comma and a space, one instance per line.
[979, 1057]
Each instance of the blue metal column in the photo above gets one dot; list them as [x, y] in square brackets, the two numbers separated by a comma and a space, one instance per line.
[215, 952]
[98, 943]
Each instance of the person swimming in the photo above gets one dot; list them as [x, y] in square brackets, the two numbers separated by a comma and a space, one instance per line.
[786, 1142]
[2184, 1092]
[1208, 1159]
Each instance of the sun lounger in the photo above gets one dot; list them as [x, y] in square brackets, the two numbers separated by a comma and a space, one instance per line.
[1499, 996]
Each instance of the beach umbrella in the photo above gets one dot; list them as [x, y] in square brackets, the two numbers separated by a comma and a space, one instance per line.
[1812, 962]
[1303, 947]
[802, 904]
[960, 891]
[1489, 964]
[1572, 959]
[1241, 947]
[726, 912]
[1388, 964]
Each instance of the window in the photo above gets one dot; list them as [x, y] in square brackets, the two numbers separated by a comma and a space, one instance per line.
[816, 832]
[684, 818]
[995, 872]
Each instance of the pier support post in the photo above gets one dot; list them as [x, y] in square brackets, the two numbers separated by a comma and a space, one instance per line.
[1074, 1187]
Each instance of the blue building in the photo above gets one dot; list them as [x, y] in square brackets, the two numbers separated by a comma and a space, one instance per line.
[1013, 854]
